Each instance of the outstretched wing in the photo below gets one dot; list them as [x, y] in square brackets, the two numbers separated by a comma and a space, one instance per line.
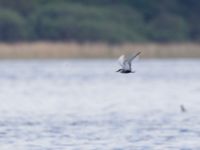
[130, 59]
[122, 61]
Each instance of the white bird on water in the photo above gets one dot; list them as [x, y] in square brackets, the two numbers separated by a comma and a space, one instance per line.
[125, 63]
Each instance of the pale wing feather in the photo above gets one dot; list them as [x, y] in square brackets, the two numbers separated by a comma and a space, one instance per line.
[130, 59]
[122, 62]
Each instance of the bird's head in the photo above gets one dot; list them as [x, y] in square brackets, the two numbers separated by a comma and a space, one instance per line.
[119, 70]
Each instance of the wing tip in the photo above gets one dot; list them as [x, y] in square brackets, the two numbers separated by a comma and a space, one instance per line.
[139, 53]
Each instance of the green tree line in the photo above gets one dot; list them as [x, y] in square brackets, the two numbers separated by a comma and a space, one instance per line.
[100, 20]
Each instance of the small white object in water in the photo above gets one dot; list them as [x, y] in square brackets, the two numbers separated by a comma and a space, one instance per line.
[125, 63]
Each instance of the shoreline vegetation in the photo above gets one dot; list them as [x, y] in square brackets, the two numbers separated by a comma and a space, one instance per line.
[112, 21]
[73, 50]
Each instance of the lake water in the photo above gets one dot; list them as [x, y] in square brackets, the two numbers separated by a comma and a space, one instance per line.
[86, 105]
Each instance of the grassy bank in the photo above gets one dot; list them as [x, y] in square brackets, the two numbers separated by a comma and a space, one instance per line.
[97, 50]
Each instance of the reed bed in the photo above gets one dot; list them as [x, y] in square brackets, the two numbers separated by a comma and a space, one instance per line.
[56, 50]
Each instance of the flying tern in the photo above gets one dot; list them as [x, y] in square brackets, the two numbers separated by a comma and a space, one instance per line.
[125, 63]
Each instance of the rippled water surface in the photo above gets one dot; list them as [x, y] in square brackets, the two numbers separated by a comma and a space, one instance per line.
[86, 105]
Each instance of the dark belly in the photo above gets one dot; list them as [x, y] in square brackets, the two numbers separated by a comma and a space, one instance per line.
[126, 71]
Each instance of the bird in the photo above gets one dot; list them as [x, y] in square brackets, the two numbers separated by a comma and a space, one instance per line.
[183, 109]
[125, 63]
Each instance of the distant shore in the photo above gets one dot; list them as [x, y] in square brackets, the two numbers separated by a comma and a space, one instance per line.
[56, 50]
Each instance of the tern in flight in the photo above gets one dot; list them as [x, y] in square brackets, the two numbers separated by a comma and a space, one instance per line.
[125, 63]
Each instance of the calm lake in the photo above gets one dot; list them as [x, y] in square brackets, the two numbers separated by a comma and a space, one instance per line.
[86, 105]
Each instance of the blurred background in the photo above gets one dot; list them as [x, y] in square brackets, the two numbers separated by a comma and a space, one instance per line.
[96, 26]
[60, 89]
[100, 21]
